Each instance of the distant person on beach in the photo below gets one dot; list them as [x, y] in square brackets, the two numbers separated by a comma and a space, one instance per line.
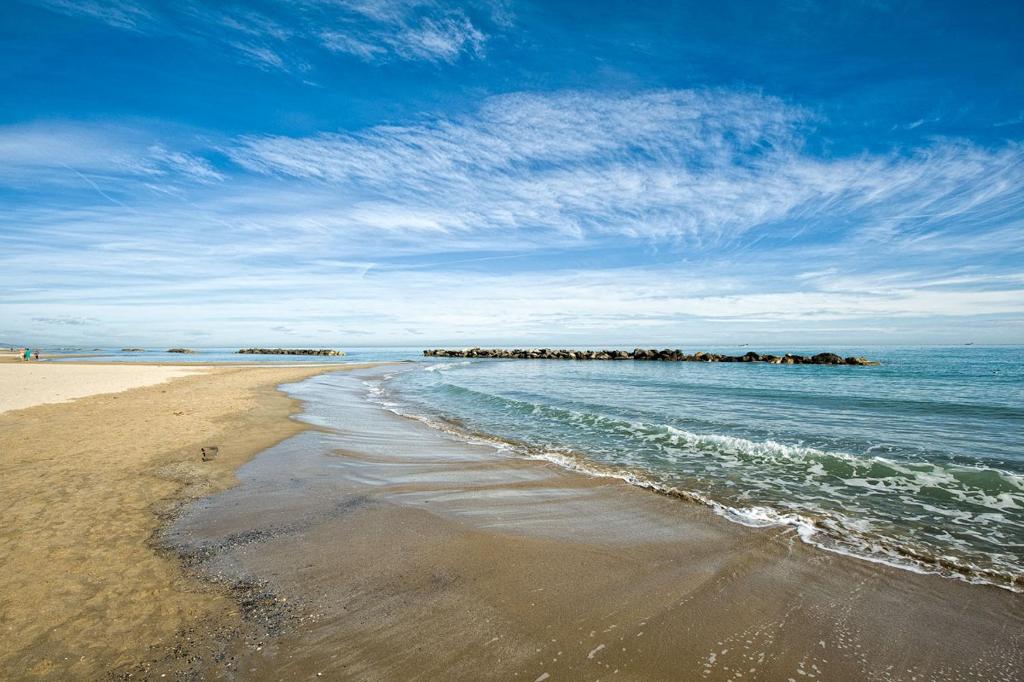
[36, 354]
[26, 354]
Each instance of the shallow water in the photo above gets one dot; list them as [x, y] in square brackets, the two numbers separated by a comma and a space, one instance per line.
[376, 547]
[917, 463]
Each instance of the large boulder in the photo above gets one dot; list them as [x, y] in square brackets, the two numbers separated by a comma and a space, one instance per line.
[827, 359]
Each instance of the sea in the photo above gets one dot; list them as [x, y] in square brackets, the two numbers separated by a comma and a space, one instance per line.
[917, 462]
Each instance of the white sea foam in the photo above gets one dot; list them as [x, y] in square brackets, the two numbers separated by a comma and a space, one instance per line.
[442, 366]
[811, 531]
[833, 532]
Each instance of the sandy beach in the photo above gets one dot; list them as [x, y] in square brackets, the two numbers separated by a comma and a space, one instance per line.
[387, 340]
[85, 484]
[28, 384]
[362, 545]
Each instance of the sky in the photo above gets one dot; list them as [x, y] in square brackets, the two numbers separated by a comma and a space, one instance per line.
[418, 173]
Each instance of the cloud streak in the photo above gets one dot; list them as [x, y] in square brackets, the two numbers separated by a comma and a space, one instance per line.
[698, 166]
[55, 154]
[275, 38]
[617, 216]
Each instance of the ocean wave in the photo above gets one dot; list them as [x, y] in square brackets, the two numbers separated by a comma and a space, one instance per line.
[806, 474]
[828, 534]
[442, 366]
[984, 486]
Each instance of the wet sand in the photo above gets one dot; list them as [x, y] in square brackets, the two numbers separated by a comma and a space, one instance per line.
[377, 548]
[84, 486]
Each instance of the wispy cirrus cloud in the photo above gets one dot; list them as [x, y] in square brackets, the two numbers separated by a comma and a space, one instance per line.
[676, 164]
[633, 305]
[66, 321]
[517, 218]
[404, 29]
[276, 37]
[124, 14]
[60, 153]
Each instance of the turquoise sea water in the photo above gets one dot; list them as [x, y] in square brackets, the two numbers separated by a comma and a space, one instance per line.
[918, 462]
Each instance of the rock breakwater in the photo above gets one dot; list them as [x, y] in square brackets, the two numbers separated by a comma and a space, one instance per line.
[290, 351]
[664, 355]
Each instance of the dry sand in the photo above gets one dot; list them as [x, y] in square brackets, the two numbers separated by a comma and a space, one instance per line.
[83, 486]
[26, 384]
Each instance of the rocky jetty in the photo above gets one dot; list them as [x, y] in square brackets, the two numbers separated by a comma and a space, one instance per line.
[664, 355]
[134, 350]
[180, 350]
[290, 351]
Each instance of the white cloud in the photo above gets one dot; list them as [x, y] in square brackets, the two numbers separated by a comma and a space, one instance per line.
[406, 29]
[67, 321]
[633, 305]
[678, 164]
[124, 14]
[70, 155]
[629, 217]
[371, 30]
[260, 55]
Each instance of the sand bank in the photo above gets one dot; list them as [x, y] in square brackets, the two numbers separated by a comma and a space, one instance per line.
[26, 384]
[83, 487]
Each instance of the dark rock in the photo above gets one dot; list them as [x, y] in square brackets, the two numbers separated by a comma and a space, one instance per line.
[292, 351]
[180, 350]
[860, 361]
[664, 355]
[827, 359]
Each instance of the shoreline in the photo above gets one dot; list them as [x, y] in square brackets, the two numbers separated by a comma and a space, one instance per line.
[445, 542]
[814, 530]
[358, 543]
[86, 485]
[805, 527]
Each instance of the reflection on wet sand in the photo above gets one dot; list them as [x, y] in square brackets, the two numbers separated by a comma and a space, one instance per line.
[393, 551]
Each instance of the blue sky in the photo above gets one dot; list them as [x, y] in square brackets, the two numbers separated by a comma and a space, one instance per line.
[349, 173]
